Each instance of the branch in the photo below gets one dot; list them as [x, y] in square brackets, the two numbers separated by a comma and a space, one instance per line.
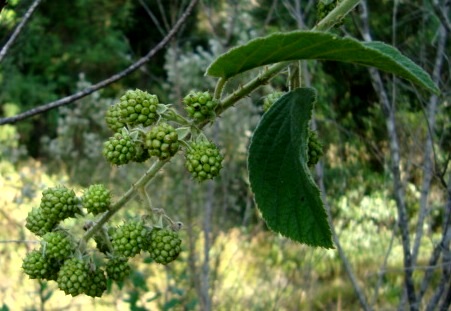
[347, 265]
[398, 190]
[18, 29]
[428, 148]
[71, 98]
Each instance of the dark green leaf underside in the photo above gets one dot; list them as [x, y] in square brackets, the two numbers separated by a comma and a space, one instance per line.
[298, 45]
[284, 189]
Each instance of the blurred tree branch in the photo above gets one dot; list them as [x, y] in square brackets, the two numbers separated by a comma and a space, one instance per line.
[18, 29]
[89, 90]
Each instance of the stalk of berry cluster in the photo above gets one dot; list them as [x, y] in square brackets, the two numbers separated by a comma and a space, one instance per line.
[148, 176]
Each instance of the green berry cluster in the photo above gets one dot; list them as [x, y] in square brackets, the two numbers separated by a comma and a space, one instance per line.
[117, 268]
[203, 160]
[200, 105]
[96, 199]
[57, 245]
[113, 118]
[164, 245]
[162, 141]
[119, 149]
[38, 266]
[37, 223]
[315, 148]
[59, 203]
[270, 99]
[138, 108]
[76, 276]
[130, 238]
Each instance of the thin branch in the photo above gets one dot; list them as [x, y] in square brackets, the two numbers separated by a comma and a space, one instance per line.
[347, 265]
[18, 29]
[441, 14]
[71, 98]
[152, 17]
[428, 169]
[398, 189]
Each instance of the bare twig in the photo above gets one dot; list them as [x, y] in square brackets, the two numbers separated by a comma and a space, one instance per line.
[398, 189]
[71, 98]
[18, 29]
[428, 169]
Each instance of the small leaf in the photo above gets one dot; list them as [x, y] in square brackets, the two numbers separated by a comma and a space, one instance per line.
[298, 45]
[285, 192]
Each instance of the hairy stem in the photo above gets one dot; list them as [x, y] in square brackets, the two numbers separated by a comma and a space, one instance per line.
[148, 176]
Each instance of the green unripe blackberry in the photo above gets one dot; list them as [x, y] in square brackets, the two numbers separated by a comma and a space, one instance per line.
[162, 141]
[38, 224]
[138, 107]
[57, 245]
[203, 160]
[269, 100]
[113, 118]
[164, 245]
[119, 149]
[200, 105]
[130, 238]
[37, 266]
[117, 269]
[73, 277]
[59, 203]
[96, 283]
[96, 199]
[315, 148]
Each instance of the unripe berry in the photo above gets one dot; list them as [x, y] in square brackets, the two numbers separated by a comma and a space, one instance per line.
[269, 100]
[37, 266]
[73, 277]
[162, 141]
[130, 238]
[57, 245]
[38, 224]
[200, 105]
[164, 245]
[59, 203]
[96, 283]
[119, 149]
[96, 199]
[315, 148]
[203, 160]
[138, 107]
[113, 118]
[117, 269]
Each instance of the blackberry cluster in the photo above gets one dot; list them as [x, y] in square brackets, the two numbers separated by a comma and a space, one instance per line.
[38, 224]
[129, 239]
[164, 245]
[59, 203]
[96, 284]
[38, 266]
[113, 118]
[57, 245]
[73, 277]
[117, 268]
[162, 141]
[315, 148]
[200, 105]
[138, 107]
[203, 160]
[96, 199]
[119, 149]
[269, 100]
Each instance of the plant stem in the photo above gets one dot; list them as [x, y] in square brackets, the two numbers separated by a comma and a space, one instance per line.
[341, 10]
[148, 176]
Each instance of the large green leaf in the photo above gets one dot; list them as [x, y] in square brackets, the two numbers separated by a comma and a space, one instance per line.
[298, 45]
[284, 189]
